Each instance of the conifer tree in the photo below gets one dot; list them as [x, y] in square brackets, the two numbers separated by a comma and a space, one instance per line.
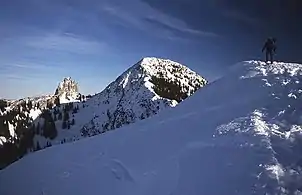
[38, 128]
[30, 105]
[60, 116]
[57, 101]
[38, 146]
[64, 125]
[66, 116]
[49, 104]
[49, 129]
[68, 125]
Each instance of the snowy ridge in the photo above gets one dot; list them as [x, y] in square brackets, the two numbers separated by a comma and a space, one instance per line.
[238, 135]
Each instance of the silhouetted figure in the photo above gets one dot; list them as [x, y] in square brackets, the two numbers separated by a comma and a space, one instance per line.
[270, 49]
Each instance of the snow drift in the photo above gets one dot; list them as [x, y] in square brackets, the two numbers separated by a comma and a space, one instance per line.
[238, 135]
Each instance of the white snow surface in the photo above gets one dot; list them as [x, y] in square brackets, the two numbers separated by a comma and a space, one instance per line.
[11, 129]
[240, 134]
[64, 98]
[2, 140]
[34, 113]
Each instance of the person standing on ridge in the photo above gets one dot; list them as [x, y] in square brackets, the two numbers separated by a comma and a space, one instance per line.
[270, 48]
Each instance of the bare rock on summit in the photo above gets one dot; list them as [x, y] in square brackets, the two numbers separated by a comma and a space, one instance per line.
[67, 89]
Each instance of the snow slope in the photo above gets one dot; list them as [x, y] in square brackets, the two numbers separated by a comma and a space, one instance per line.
[238, 135]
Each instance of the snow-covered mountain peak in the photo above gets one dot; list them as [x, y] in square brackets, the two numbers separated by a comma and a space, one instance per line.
[165, 68]
[146, 88]
[164, 78]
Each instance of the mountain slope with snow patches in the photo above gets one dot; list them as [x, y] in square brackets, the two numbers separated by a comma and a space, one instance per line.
[19, 117]
[29, 109]
[145, 89]
[238, 135]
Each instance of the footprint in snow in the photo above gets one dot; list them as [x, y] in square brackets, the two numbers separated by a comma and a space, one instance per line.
[120, 171]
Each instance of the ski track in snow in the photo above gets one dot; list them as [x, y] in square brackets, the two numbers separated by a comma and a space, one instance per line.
[238, 135]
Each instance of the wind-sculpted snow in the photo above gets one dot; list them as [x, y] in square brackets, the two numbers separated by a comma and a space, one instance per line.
[238, 135]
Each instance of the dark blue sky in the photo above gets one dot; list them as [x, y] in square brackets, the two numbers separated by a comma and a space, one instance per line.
[93, 41]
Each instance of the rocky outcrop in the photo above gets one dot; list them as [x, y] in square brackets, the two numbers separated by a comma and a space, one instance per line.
[67, 89]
